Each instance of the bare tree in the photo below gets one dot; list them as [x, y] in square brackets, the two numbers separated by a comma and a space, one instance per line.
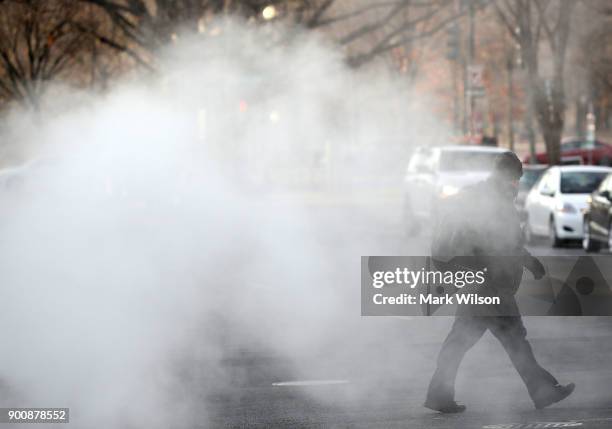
[45, 40]
[368, 29]
[377, 28]
[41, 41]
[37, 43]
[537, 25]
[596, 54]
[152, 23]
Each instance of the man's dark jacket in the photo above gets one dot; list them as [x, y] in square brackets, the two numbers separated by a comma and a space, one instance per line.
[480, 228]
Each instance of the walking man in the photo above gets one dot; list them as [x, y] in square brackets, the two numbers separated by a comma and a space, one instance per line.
[481, 222]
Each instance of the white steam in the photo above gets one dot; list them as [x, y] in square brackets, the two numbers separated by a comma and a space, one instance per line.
[145, 237]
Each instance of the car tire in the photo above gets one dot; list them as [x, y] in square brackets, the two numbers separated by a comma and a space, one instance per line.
[553, 238]
[588, 244]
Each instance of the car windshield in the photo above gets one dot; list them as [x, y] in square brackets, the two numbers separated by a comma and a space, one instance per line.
[529, 178]
[581, 182]
[454, 160]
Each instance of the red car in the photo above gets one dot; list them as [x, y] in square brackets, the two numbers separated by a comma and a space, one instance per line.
[571, 150]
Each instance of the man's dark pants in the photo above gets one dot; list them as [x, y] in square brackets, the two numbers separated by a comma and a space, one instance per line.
[466, 332]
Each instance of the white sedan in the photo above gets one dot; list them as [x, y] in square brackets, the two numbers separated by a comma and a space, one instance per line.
[555, 205]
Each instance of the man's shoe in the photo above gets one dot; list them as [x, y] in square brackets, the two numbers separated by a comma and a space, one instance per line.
[556, 394]
[450, 407]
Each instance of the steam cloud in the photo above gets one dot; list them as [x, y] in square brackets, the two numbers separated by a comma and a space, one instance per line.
[147, 239]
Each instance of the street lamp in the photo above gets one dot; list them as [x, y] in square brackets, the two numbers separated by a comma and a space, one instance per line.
[269, 12]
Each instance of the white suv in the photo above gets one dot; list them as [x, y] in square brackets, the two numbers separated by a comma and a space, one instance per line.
[438, 172]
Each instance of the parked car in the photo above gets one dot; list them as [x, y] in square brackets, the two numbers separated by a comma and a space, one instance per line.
[439, 172]
[554, 206]
[531, 175]
[597, 232]
[577, 149]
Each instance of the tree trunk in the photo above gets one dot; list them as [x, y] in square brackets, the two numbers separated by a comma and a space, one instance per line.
[549, 103]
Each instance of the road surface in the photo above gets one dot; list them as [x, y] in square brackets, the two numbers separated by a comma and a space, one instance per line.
[373, 372]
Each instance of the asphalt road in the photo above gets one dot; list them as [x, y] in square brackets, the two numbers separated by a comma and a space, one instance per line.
[374, 371]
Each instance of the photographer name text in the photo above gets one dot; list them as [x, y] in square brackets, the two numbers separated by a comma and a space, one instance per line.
[427, 298]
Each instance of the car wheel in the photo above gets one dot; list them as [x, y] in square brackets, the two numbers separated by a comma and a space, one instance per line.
[553, 238]
[588, 244]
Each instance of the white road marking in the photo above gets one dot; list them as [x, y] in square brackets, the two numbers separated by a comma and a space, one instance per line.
[548, 425]
[310, 382]
[535, 425]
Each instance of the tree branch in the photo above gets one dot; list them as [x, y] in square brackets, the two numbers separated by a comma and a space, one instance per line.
[360, 32]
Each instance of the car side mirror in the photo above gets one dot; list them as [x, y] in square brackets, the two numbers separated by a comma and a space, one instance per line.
[606, 194]
[548, 192]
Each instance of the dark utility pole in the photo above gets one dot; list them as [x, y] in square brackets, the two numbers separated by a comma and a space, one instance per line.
[453, 54]
[468, 59]
[471, 62]
[510, 68]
